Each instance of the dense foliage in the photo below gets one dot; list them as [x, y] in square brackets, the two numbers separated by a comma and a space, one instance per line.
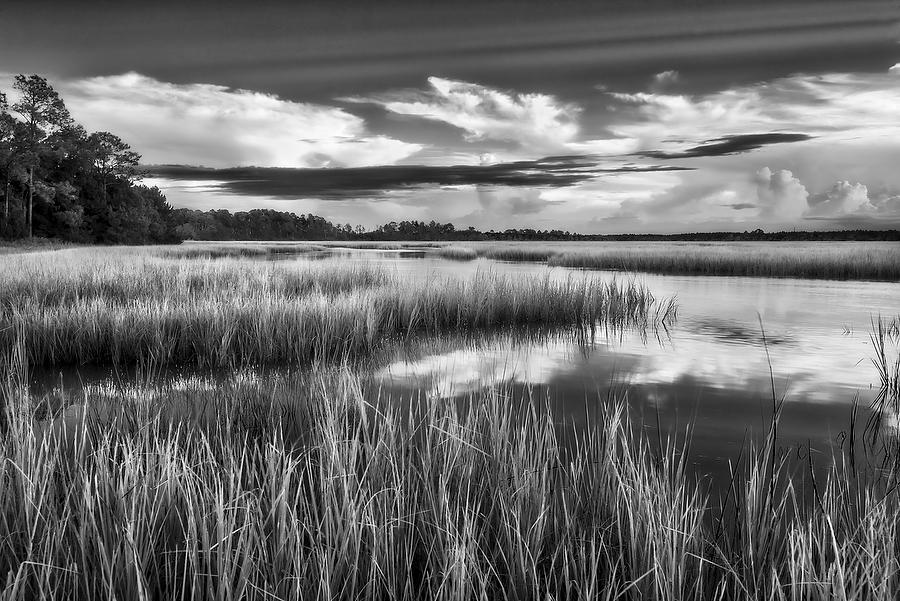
[59, 181]
[257, 224]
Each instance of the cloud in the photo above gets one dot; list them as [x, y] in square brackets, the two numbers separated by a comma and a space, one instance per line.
[841, 199]
[714, 201]
[727, 200]
[207, 124]
[665, 79]
[685, 203]
[728, 145]
[781, 196]
[540, 122]
[886, 203]
[853, 205]
[501, 204]
[858, 108]
[663, 118]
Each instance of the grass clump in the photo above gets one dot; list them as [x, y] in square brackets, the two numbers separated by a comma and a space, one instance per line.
[822, 260]
[223, 251]
[519, 253]
[108, 310]
[457, 253]
[835, 262]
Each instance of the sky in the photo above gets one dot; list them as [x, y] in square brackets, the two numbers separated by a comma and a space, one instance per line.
[604, 117]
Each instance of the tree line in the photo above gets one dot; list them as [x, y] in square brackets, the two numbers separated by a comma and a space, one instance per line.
[256, 224]
[266, 224]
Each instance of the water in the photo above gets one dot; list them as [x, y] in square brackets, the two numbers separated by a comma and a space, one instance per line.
[739, 345]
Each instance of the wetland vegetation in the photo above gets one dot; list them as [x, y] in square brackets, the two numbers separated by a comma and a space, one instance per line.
[831, 260]
[302, 484]
[104, 307]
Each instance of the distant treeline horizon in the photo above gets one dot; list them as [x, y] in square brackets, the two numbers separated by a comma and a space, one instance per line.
[270, 225]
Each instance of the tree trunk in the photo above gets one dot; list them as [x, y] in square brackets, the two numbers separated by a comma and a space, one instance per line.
[30, 198]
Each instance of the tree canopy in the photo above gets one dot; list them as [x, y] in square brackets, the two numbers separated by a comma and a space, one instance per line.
[59, 181]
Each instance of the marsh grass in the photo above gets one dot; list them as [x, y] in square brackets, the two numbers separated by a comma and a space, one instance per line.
[222, 251]
[269, 250]
[389, 246]
[835, 260]
[109, 310]
[457, 253]
[519, 254]
[303, 488]
[885, 338]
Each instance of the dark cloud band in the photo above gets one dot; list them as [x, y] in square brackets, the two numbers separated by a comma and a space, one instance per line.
[336, 184]
[728, 145]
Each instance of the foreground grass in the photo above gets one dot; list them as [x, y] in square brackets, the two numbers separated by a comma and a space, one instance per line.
[107, 307]
[824, 260]
[300, 489]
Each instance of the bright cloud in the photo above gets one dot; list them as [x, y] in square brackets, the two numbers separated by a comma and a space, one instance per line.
[780, 195]
[851, 108]
[854, 204]
[216, 126]
[841, 199]
[665, 79]
[532, 120]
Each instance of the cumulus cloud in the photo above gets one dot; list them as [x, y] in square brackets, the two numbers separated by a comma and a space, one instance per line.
[218, 126]
[770, 197]
[537, 121]
[780, 194]
[715, 201]
[854, 205]
[841, 199]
